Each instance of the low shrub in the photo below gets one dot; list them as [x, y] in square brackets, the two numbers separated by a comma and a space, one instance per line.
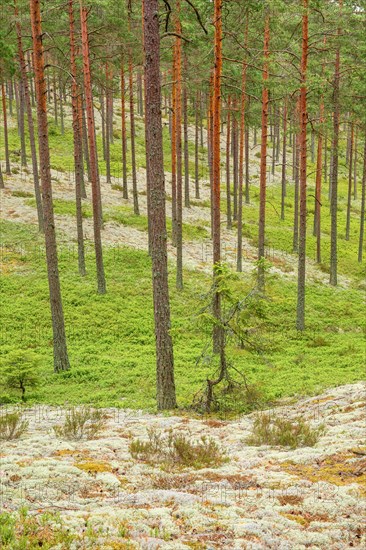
[83, 422]
[170, 449]
[12, 426]
[283, 432]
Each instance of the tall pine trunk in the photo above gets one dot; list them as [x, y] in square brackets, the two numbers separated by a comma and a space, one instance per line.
[6, 139]
[96, 195]
[78, 154]
[32, 141]
[178, 76]
[60, 355]
[300, 318]
[263, 165]
[363, 200]
[334, 174]
[166, 398]
[228, 182]
[284, 160]
[123, 132]
[350, 175]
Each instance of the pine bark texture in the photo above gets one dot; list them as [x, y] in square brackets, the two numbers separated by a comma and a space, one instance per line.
[164, 348]
[60, 355]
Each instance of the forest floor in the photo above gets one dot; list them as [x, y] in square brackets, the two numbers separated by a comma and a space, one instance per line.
[117, 231]
[93, 494]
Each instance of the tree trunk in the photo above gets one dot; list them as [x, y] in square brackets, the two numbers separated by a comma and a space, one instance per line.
[173, 132]
[355, 167]
[284, 160]
[350, 174]
[166, 398]
[178, 29]
[96, 196]
[263, 166]
[62, 124]
[335, 145]
[295, 242]
[187, 202]
[23, 72]
[107, 125]
[228, 185]
[60, 355]
[300, 320]
[82, 117]
[78, 155]
[318, 186]
[363, 197]
[23, 150]
[235, 162]
[123, 131]
[239, 256]
[6, 141]
[247, 177]
[102, 116]
[218, 332]
[196, 149]
[132, 127]
[55, 109]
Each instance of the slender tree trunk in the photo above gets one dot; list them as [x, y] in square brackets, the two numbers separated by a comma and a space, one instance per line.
[239, 254]
[284, 160]
[2, 186]
[174, 147]
[178, 29]
[228, 184]
[78, 155]
[196, 149]
[6, 141]
[102, 116]
[62, 124]
[82, 117]
[30, 71]
[335, 145]
[235, 163]
[363, 200]
[79, 104]
[132, 126]
[295, 243]
[124, 140]
[55, 106]
[61, 360]
[209, 150]
[218, 332]
[350, 174]
[318, 186]
[11, 96]
[108, 123]
[263, 166]
[300, 320]
[23, 149]
[166, 398]
[23, 72]
[148, 175]
[187, 202]
[247, 177]
[96, 196]
[355, 166]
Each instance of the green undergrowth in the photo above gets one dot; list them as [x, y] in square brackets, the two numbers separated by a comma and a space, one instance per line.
[111, 338]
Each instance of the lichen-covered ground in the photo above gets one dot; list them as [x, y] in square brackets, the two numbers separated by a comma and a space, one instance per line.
[93, 494]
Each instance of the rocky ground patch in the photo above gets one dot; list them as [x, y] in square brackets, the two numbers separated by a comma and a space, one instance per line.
[92, 493]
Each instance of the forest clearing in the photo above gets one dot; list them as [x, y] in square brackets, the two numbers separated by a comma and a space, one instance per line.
[182, 274]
